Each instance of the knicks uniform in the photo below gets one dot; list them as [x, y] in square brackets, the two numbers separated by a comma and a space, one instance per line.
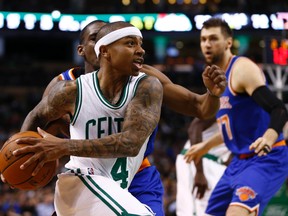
[146, 185]
[249, 181]
[99, 185]
[213, 167]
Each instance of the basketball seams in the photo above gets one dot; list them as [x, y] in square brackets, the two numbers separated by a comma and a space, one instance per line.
[14, 161]
[49, 172]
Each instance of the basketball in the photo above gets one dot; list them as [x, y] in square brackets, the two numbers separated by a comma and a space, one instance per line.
[10, 165]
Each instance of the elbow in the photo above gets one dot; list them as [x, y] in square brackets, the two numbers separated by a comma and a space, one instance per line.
[209, 112]
[133, 150]
[130, 147]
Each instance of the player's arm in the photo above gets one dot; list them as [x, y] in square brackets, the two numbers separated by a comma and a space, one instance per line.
[59, 102]
[141, 118]
[59, 126]
[251, 79]
[196, 152]
[195, 130]
[189, 103]
[51, 85]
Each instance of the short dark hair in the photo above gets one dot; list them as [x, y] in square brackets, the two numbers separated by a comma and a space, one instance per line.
[217, 22]
[109, 27]
[83, 31]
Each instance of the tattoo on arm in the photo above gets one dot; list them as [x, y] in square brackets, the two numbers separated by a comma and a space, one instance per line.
[57, 103]
[141, 118]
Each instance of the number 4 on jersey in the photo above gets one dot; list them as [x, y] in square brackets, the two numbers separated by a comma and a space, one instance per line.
[119, 172]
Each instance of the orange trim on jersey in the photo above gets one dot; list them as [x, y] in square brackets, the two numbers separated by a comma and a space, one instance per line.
[254, 209]
[245, 156]
[145, 163]
[280, 143]
[61, 77]
[71, 74]
[233, 92]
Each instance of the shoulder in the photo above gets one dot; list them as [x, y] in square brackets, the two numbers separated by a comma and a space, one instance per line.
[246, 65]
[64, 89]
[246, 75]
[150, 85]
[51, 85]
[151, 81]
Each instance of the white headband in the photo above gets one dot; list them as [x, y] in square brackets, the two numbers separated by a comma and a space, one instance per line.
[114, 36]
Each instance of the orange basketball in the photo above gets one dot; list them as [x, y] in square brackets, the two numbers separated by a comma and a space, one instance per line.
[10, 165]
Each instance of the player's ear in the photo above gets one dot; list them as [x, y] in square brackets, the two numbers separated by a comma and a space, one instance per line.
[229, 42]
[80, 50]
[103, 50]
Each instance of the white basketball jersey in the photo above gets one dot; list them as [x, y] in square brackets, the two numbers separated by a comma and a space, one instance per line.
[95, 117]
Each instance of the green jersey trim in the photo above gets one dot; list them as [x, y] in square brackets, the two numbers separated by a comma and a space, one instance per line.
[78, 101]
[123, 97]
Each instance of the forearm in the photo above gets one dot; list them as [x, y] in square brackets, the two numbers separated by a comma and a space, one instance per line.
[270, 136]
[275, 107]
[32, 121]
[195, 130]
[208, 105]
[115, 145]
[214, 141]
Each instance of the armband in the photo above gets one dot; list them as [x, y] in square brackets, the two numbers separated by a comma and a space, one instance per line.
[274, 106]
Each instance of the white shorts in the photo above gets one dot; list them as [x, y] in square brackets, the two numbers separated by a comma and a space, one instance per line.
[186, 202]
[90, 195]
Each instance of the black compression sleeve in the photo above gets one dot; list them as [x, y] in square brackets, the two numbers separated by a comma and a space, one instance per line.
[275, 107]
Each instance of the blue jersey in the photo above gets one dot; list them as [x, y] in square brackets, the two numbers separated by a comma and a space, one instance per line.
[249, 181]
[240, 118]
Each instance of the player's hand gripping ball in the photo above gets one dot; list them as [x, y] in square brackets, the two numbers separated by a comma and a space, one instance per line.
[10, 165]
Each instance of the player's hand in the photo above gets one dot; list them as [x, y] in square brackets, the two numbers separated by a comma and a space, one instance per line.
[48, 148]
[260, 147]
[214, 79]
[195, 153]
[200, 185]
[3, 179]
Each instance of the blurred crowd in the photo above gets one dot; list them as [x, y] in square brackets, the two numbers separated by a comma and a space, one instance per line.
[144, 6]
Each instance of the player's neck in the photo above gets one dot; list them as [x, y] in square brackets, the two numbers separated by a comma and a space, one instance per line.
[111, 85]
[89, 68]
[226, 61]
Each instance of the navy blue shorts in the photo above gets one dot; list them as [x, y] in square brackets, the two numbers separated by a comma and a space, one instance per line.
[250, 183]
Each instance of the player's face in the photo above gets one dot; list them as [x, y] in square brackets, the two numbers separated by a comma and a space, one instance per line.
[127, 55]
[89, 43]
[213, 45]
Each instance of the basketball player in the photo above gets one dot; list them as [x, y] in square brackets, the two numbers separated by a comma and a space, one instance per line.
[148, 191]
[195, 182]
[146, 185]
[251, 118]
[113, 113]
